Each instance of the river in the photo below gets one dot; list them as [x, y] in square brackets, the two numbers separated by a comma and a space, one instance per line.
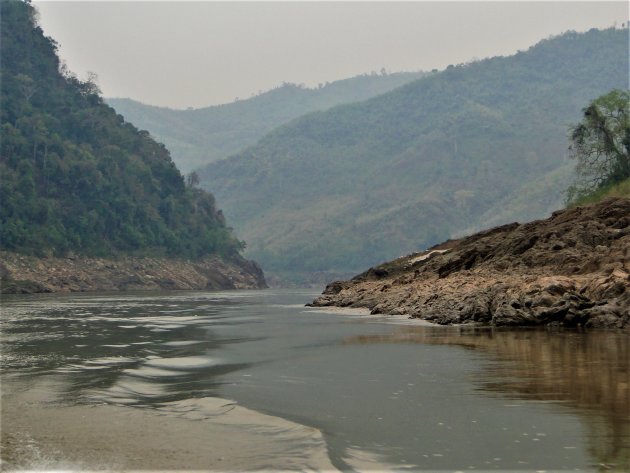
[253, 380]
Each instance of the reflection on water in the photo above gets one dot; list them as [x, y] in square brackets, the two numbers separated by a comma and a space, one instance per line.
[383, 396]
[588, 372]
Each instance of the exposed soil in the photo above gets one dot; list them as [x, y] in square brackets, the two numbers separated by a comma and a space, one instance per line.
[28, 274]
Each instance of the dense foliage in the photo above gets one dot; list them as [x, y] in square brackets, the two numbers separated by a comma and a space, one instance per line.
[472, 146]
[75, 176]
[198, 137]
[601, 144]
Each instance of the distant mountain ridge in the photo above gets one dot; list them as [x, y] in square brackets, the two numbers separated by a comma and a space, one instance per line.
[196, 137]
[474, 145]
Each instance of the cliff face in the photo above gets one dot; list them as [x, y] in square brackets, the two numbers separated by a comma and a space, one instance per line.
[27, 274]
[571, 269]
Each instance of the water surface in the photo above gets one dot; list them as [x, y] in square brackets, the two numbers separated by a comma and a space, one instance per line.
[380, 393]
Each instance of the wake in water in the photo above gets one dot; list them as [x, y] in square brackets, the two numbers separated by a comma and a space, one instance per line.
[198, 434]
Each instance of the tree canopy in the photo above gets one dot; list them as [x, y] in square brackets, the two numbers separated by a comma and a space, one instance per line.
[74, 176]
[600, 144]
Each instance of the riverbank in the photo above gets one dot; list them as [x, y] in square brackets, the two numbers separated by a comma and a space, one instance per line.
[572, 269]
[22, 274]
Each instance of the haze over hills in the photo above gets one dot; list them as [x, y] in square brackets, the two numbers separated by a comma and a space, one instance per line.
[200, 136]
[475, 145]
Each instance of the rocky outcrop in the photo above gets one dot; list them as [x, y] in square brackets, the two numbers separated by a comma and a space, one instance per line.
[571, 269]
[28, 274]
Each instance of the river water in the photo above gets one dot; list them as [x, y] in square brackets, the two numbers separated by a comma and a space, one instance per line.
[252, 380]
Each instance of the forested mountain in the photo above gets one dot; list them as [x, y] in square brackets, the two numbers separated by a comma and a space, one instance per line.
[74, 176]
[475, 145]
[198, 137]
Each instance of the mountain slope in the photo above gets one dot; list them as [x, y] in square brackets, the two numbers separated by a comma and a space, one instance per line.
[366, 182]
[75, 177]
[197, 137]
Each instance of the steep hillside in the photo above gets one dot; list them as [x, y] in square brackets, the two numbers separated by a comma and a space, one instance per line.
[475, 144]
[75, 178]
[198, 137]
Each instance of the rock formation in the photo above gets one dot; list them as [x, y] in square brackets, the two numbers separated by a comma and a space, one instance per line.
[21, 274]
[572, 269]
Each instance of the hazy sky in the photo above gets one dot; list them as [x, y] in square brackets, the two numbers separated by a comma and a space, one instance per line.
[182, 54]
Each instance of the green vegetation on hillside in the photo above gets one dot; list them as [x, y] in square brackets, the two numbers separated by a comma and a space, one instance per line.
[601, 145]
[364, 183]
[74, 176]
[198, 137]
[621, 189]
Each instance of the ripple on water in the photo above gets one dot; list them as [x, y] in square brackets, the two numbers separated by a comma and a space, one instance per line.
[360, 459]
[166, 326]
[181, 343]
[132, 388]
[110, 361]
[184, 362]
[151, 372]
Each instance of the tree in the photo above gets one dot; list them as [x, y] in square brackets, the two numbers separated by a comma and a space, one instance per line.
[601, 144]
[90, 86]
[192, 179]
[27, 86]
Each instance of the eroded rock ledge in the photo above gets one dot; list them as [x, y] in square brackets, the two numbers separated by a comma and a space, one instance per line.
[28, 274]
[570, 269]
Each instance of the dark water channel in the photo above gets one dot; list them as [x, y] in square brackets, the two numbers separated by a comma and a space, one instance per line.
[385, 394]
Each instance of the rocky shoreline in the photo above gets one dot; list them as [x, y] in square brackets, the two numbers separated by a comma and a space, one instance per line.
[22, 274]
[572, 269]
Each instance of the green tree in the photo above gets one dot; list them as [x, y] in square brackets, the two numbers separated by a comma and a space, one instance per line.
[192, 179]
[27, 86]
[601, 144]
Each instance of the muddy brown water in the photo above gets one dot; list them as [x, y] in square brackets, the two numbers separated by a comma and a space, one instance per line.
[253, 380]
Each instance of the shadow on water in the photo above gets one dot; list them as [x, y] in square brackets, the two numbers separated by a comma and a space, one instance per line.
[589, 373]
